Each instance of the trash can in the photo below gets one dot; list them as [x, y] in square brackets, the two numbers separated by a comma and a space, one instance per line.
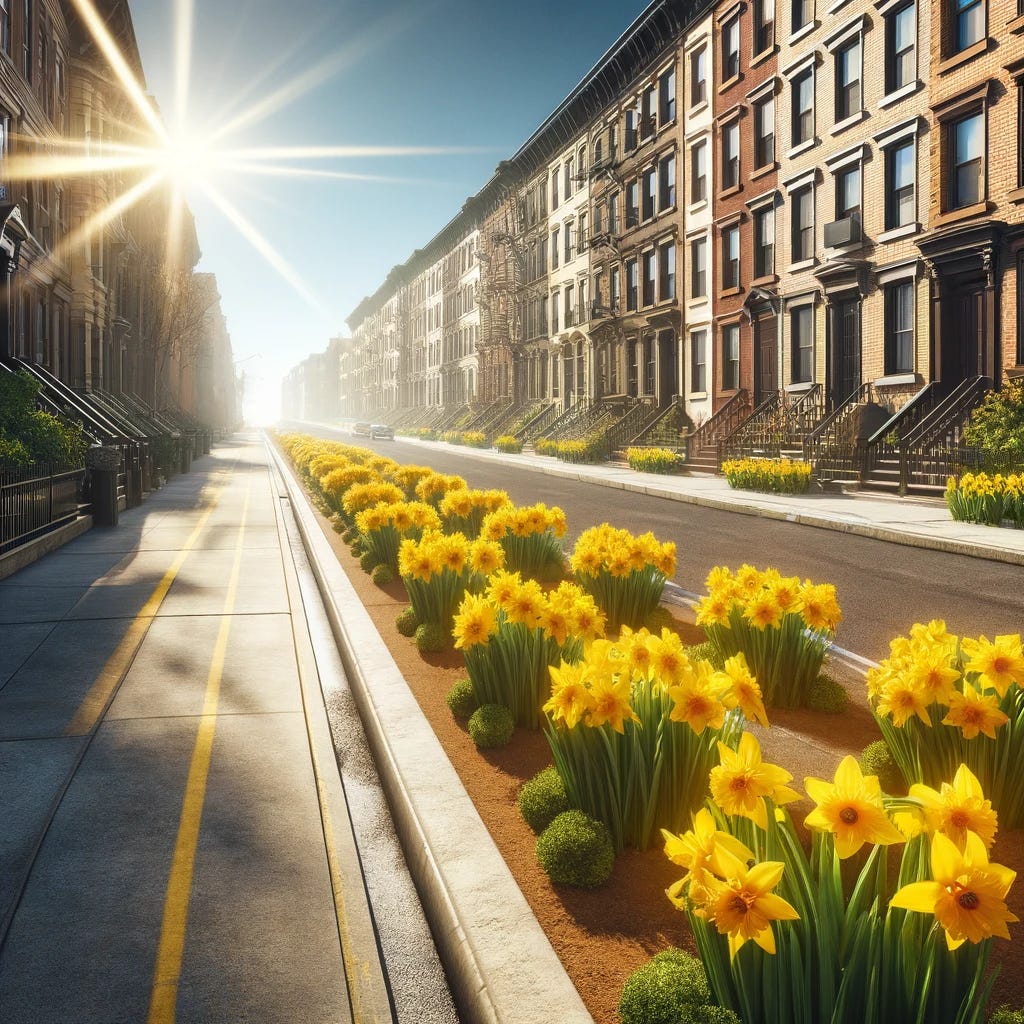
[103, 462]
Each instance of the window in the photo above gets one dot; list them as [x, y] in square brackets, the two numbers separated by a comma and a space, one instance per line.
[614, 289]
[699, 172]
[598, 151]
[966, 161]
[26, 41]
[554, 247]
[5, 25]
[803, 14]
[803, 224]
[801, 323]
[848, 91]
[632, 117]
[731, 257]
[650, 277]
[698, 77]
[667, 183]
[555, 297]
[631, 284]
[900, 202]
[581, 162]
[667, 271]
[803, 107]
[698, 268]
[969, 23]
[567, 178]
[731, 49]
[648, 122]
[900, 47]
[764, 25]
[848, 193]
[730, 357]
[581, 238]
[650, 366]
[632, 204]
[570, 306]
[764, 132]
[899, 328]
[5, 133]
[613, 213]
[650, 193]
[667, 97]
[554, 189]
[731, 155]
[699, 362]
[764, 242]
[568, 243]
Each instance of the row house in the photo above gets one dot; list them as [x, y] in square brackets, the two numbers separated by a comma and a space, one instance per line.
[759, 204]
[461, 320]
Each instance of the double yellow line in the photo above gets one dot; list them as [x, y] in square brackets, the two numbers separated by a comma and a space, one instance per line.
[179, 886]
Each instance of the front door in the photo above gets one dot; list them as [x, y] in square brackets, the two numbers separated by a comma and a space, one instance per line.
[766, 372]
[845, 350]
[668, 361]
[963, 333]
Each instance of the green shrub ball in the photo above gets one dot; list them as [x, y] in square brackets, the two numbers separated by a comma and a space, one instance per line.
[430, 638]
[368, 561]
[461, 699]
[671, 988]
[407, 622]
[576, 850]
[382, 575]
[1007, 1015]
[827, 695]
[542, 799]
[491, 726]
[877, 759]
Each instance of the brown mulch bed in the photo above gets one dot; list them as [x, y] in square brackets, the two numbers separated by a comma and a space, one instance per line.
[603, 935]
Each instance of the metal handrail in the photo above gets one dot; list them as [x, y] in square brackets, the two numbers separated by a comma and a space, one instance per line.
[722, 423]
[841, 411]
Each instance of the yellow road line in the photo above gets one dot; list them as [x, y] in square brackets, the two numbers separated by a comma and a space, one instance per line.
[167, 974]
[117, 665]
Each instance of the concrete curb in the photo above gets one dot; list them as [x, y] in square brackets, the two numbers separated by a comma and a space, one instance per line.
[500, 965]
[26, 554]
[971, 549]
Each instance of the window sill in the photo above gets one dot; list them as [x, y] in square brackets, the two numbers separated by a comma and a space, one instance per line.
[1016, 196]
[904, 231]
[799, 386]
[730, 83]
[895, 380]
[954, 216]
[762, 282]
[698, 108]
[698, 300]
[804, 30]
[728, 293]
[955, 60]
[696, 207]
[761, 171]
[899, 94]
[698, 396]
[802, 147]
[760, 58]
[1016, 25]
[848, 122]
[728, 192]
[837, 5]
[794, 268]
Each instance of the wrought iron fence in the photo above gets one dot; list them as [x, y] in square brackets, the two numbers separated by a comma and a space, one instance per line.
[35, 499]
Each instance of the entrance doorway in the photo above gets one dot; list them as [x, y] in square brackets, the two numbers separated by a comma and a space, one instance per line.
[845, 350]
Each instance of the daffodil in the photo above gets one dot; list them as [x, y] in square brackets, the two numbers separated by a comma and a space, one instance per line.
[958, 809]
[967, 895]
[475, 622]
[699, 850]
[697, 700]
[611, 704]
[999, 664]
[973, 712]
[763, 610]
[850, 807]
[570, 697]
[901, 698]
[742, 780]
[745, 693]
[743, 906]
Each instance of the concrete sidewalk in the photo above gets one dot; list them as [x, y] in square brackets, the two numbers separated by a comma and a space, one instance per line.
[917, 522]
[176, 842]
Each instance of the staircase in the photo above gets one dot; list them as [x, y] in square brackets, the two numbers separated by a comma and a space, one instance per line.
[925, 447]
[777, 428]
[702, 444]
[833, 447]
[534, 427]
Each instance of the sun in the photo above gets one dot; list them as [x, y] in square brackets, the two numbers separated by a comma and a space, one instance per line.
[188, 160]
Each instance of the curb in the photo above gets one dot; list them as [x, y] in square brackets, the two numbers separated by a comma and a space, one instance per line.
[500, 965]
[971, 549]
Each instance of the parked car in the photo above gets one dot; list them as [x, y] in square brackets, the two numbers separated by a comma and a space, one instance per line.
[360, 429]
[383, 431]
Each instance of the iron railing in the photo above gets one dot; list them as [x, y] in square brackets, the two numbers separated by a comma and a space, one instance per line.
[35, 499]
[721, 425]
[832, 447]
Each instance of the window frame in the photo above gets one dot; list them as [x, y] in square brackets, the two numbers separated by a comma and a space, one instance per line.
[764, 215]
[698, 180]
[731, 169]
[798, 134]
[961, 14]
[730, 357]
[764, 154]
[632, 284]
[666, 182]
[951, 166]
[731, 49]
[763, 27]
[667, 96]
[731, 257]
[699, 361]
[667, 271]
[893, 204]
[849, 95]
[648, 193]
[892, 361]
[649, 278]
[699, 267]
[841, 175]
[632, 203]
[893, 57]
[801, 233]
[805, 9]
[799, 352]
[699, 76]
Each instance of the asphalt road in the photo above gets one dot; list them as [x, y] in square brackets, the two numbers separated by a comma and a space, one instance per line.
[883, 588]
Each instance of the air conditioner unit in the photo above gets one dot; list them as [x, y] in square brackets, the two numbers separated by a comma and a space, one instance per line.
[845, 231]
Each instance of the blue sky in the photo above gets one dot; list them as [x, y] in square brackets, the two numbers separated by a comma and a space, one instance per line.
[445, 73]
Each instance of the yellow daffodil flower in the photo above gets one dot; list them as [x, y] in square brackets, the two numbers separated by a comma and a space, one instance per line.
[999, 664]
[742, 780]
[958, 809]
[973, 712]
